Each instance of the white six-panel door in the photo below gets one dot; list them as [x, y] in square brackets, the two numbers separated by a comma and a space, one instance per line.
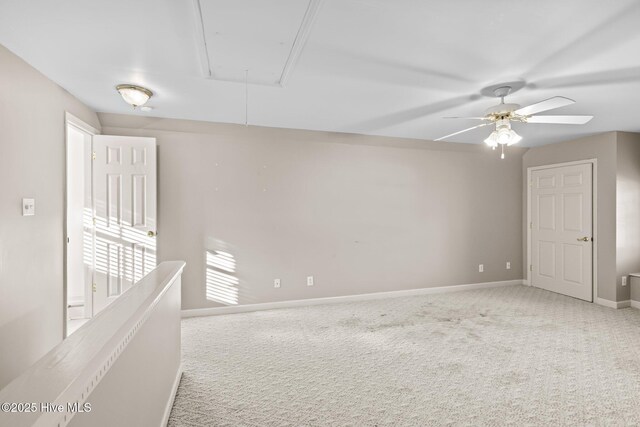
[124, 195]
[561, 230]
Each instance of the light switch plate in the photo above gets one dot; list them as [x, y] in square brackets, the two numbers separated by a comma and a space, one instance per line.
[28, 207]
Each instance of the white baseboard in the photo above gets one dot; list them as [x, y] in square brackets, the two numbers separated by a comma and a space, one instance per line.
[174, 390]
[613, 304]
[635, 304]
[347, 298]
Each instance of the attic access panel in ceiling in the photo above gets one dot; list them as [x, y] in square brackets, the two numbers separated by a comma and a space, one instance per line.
[263, 37]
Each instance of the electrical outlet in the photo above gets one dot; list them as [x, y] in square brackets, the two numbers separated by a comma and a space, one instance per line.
[481, 268]
[309, 280]
[276, 283]
[508, 265]
[624, 280]
[28, 207]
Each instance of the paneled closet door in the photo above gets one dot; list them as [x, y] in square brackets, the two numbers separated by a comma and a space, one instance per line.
[124, 197]
[561, 230]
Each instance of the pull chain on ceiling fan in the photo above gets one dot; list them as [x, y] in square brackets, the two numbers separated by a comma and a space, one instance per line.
[503, 114]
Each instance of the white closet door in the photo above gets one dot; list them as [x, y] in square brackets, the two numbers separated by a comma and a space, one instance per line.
[561, 230]
[124, 195]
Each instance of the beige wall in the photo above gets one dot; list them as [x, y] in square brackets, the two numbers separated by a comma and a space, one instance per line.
[32, 159]
[361, 214]
[627, 209]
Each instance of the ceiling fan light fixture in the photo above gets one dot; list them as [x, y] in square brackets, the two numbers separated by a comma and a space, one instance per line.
[134, 95]
[502, 115]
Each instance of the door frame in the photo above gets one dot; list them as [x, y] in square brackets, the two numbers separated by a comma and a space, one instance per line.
[594, 218]
[69, 120]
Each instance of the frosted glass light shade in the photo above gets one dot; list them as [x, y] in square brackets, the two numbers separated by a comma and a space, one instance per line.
[503, 136]
[514, 137]
[492, 140]
[134, 95]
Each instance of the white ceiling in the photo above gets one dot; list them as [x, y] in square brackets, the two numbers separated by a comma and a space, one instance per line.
[382, 67]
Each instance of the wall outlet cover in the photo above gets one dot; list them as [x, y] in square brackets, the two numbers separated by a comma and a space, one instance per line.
[309, 280]
[28, 207]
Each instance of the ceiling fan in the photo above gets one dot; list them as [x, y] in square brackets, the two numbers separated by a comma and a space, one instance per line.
[503, 114]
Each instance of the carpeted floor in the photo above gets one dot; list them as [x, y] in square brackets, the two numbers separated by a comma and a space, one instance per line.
[514, 356]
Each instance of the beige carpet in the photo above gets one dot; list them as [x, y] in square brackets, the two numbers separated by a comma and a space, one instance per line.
[514, 356]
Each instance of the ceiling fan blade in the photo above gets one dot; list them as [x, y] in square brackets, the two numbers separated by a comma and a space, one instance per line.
[400, 117]
[462, 131]
[560, 120]
[467, 118]
[598, 39]
[547, 104]
[608, 77]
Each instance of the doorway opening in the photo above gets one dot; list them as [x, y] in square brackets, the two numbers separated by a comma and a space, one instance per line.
[79, 240]
[110, 218]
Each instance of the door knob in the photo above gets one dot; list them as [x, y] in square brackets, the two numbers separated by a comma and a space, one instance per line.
[584, 239]
[152, 233]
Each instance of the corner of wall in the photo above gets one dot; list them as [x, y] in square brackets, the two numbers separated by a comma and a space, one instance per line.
[627, 213]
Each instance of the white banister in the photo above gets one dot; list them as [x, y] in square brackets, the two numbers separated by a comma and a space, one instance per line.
[124, 364]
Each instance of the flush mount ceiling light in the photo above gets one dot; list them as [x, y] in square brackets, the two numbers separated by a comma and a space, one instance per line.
[503, 114]
[134, 95]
